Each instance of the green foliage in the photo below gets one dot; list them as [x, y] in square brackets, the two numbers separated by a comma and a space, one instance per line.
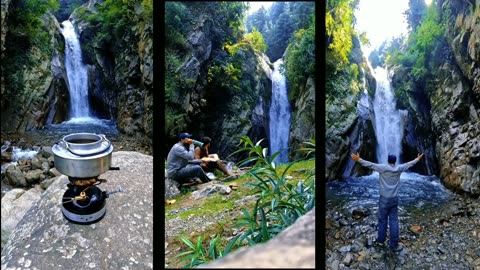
[176, 17]
[114, 20]
[339, 31]
[415, 12]
[421, 43]
[198, 254]
[255, 38]
[279, 23]
[300, 59]
[280, 203]
[66, 8]
[25, 18]
[26, 34]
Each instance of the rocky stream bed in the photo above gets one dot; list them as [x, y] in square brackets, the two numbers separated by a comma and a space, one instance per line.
[437, 232]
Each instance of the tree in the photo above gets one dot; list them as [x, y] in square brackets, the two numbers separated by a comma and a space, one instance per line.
[415, 13]
[256, 39]
[300, 58]
[258, 20]
[339, 31]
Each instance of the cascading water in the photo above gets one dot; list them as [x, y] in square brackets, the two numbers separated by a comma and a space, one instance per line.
[279, 115]
[388, 120]
[76, 73]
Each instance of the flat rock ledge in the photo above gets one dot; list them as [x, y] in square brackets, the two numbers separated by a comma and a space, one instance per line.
[123, 239]
[292, 248]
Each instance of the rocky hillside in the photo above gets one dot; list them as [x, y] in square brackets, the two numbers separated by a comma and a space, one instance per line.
[349, 114]
[210, 90]
[445, 111]
[34, 88]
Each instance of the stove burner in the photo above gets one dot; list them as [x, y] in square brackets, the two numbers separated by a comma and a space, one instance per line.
[83, 157]
[84, 205]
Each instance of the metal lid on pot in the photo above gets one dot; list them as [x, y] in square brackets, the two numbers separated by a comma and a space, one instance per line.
[83, 146]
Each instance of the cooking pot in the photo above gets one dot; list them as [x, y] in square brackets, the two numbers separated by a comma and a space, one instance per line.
[83, 155]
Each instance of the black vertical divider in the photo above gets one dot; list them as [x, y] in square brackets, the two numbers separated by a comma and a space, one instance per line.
[158, 135]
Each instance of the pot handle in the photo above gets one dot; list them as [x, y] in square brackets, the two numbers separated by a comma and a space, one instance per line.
[88, 153]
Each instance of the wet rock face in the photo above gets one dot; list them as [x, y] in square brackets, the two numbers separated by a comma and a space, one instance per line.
[123, 239]
[303, 119]
[444, 123]
[4, 29]
[456, 107]
[44, 96]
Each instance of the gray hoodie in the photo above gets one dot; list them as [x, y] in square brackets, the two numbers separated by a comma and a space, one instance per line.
[178, 158]
[389, 175]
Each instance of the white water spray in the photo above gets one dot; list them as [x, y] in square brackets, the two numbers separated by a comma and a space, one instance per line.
[388, 120]
[280, 114]
[76, 72]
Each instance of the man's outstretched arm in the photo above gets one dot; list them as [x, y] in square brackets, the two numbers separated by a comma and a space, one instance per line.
[364, 163]
[407, 165]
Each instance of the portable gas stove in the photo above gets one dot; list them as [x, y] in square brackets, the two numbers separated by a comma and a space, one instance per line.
[83, 157]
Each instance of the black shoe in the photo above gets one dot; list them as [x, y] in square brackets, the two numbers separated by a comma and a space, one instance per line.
[398, 248]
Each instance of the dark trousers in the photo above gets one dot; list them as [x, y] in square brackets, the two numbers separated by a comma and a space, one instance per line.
[210, 166]
[388, 214]
[191, 171]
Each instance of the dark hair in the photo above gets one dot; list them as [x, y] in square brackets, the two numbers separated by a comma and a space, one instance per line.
[392, 159]
[205, 140]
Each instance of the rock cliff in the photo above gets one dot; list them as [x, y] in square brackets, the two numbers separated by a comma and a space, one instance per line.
[36, 93]
[120, 72]
[444, 121]
[349, 118]
[206, 105]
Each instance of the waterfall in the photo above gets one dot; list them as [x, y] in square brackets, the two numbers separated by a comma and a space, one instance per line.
[279, 115]
[76, 73]
[388, 120]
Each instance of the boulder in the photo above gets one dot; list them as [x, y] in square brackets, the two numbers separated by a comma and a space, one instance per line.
[7, 156]
[123, 239]
[15, 204]
[171, 189]
[36, 163]
[45, 167]
[33, 175]
[15, 177]
[210, 190]
[45, 184]
[292, 248]
[53, 171]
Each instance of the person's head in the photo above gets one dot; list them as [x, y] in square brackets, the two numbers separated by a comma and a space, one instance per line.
[206, 141]
[184, 137]
[392, 159]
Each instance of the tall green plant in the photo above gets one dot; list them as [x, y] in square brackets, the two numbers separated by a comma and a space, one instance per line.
[199, 254]
[280, 202]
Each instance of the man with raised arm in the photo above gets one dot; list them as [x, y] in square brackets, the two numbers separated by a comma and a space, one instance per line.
[179, 157]
[389, 176]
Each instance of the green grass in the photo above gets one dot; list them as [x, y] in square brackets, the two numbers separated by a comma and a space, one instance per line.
[212, 206]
